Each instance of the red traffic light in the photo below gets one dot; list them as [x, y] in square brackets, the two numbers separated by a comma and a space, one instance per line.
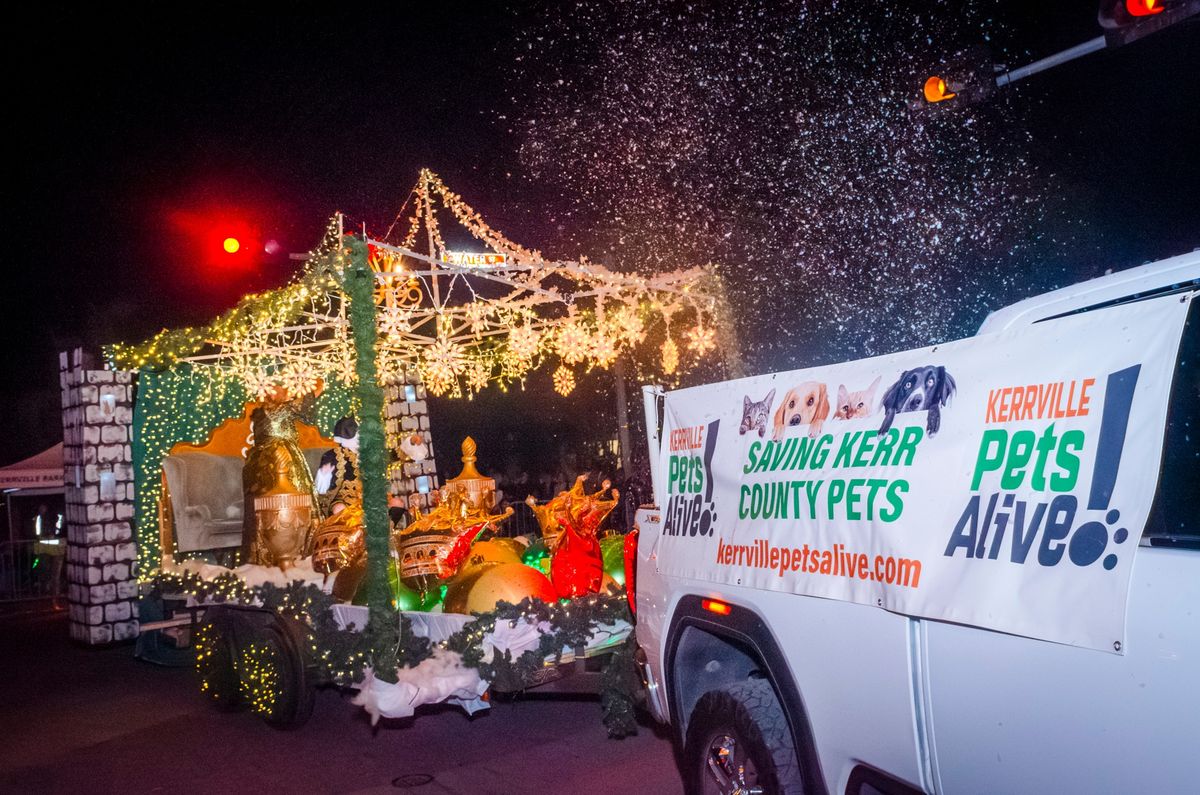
[1143, 8]
[1125, 21]
[217, 238]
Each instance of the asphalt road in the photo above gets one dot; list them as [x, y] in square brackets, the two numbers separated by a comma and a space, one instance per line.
[85, 720]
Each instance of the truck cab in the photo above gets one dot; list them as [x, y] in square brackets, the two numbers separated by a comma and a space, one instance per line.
[768, 689]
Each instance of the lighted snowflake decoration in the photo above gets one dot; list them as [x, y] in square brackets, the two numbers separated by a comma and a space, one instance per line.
[437, 382]
[477, 317]
[477, 374]
[564, 380]
[702, 339]
[627, 323]
[258, 383]
[524, 341]
[343, 369]
[393, 324]
[670, 356]
[299, 378]
[605, 349]
[513, 366]
[389, 370]
[573, 342]
[441, 365]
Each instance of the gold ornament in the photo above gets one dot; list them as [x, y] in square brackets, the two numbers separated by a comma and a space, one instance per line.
[478, 491]
[564, 380]
[277, 483]
[481, 588]
[553, 515]
[284, 524]
[670, 356]
[339, 541]
[433, 546]
[491, 552]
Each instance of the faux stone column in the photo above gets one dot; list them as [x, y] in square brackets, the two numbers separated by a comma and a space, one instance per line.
[102, 587]
[406, 413]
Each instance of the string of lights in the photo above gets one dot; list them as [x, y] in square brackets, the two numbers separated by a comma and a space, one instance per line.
[435, 315]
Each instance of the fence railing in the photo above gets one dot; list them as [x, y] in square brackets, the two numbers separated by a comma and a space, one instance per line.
[31, 570]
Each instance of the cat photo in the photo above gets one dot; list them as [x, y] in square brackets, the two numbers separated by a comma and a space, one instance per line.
[852, 405]
[754, 415]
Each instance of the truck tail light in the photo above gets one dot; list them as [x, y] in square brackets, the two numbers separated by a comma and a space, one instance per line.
[630, 554]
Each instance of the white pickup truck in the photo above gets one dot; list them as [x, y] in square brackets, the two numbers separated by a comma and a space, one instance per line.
[827, 599]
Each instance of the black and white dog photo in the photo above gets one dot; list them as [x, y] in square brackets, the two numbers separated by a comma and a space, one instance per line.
[923, 389]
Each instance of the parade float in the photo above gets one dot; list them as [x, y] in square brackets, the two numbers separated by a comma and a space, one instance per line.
[289, 525]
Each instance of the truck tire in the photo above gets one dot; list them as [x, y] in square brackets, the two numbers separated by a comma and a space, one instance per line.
[738, 741]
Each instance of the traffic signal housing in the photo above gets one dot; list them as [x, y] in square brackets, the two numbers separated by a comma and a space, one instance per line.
[936, 90]
[1125, 21]
[966, 78]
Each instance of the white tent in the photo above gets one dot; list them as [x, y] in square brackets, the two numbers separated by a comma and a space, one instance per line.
[43, 471]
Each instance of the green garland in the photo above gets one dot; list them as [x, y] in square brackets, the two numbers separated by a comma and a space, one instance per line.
[372, 460]
[340, 655]
[571, 624]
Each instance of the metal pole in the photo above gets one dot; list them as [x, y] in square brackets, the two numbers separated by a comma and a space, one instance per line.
[622, 416]
[1078, 51]
[650, 395]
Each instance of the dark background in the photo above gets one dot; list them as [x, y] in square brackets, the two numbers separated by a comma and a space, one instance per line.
[123, 123]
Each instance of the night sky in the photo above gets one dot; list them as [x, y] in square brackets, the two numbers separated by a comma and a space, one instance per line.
[132, 124]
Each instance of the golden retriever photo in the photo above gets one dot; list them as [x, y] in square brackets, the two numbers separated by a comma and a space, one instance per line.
[804, 404]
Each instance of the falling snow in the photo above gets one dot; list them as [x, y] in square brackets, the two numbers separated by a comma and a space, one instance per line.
[786, 143]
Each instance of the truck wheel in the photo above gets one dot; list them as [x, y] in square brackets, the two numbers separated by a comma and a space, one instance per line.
[738, 743]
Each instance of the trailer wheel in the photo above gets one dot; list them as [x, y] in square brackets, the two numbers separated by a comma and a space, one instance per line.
[293, 704]
[217, 665]
[738, 741]
[254, 658]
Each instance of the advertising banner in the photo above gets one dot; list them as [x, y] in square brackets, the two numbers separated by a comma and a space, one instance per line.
[1001, 481]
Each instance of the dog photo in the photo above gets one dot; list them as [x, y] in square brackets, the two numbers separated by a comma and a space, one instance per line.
[804, 404]
[852, 405]
[922, 389]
